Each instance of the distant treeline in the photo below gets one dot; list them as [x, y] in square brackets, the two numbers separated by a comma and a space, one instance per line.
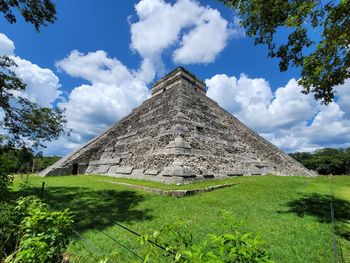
[326, 161]
[13, 160]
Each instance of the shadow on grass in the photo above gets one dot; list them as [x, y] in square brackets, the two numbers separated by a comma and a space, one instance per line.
[319, 206]
[93, 209]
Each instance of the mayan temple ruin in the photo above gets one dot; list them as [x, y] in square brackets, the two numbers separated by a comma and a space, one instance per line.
[176, 136]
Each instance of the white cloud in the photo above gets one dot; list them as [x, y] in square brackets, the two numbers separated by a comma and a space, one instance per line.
[160, 24]
[184, 27]
[254, 103]
[197, 46]
[343, 95]
[113, 92]
[42, 84]
[7, 46]
[289, 119]
[329, 127]
[237, 29]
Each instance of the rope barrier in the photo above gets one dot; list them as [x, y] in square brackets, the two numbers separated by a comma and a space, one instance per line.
[90, 242]
[120, 244]
[91, 254]
[137, 234]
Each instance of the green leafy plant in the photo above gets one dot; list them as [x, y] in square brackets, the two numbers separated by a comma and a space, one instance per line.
[34, 232]
[5, 183]
[8, 227]
[175, 243]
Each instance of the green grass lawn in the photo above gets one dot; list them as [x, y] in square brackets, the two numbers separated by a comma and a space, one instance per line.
[291, 214]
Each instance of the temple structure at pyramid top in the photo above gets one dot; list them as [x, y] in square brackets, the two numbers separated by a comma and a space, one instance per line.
[176, 136]
[179, 76]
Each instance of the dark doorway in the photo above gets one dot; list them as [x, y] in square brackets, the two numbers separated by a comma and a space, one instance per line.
[75, 169]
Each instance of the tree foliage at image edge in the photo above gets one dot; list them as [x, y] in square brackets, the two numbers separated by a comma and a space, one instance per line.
[325, 63]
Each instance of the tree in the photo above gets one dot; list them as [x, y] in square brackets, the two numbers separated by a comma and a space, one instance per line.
[324, 59]
[36, 12]
[25, 123]
[326, 161]
[30, 231]
[15, 160]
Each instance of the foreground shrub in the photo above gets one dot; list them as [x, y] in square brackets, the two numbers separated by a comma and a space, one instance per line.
[5, 183]
[175, 243]
[35, 233]
[9, 228]
[5, 178]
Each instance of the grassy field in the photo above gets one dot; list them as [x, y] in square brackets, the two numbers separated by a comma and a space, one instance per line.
[291, 214]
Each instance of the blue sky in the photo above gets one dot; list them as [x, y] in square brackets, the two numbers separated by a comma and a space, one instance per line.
[99, 59]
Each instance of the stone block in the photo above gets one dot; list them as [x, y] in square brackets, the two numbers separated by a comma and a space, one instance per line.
[130, 134]
[179, 128]
[138, 172]
[122, 155]
[261, 165]
[102, 169]
[115, 160]
[89, 169]
[162, 122]
[180, 116]
[235, 173]
[178, 171]
[179, 142]
[179, 151]
[162, 131]
[112, 169]
[109, 149]
[106, 155]
[123, 170]
[110, 161]
[205, 173]
[152, 172]
[94, 162]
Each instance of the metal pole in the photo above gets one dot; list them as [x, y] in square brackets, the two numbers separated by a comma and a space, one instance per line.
[33, 165]
[334, 243]
[42, 191]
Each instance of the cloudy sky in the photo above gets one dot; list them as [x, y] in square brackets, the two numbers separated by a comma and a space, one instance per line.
[99, 60]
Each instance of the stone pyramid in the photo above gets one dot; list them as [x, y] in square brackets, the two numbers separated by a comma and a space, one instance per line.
[178, 135]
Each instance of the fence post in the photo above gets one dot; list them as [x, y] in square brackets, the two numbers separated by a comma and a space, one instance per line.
[42, 191]
[27, 179]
